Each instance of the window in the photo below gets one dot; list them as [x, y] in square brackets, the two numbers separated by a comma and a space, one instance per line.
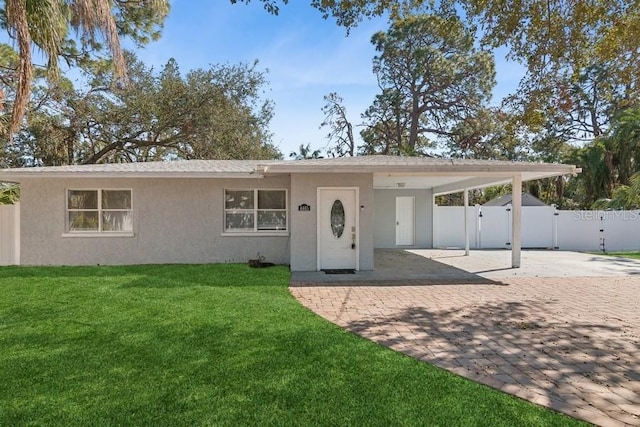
[99, 211]
[338, 219]
[255, 210]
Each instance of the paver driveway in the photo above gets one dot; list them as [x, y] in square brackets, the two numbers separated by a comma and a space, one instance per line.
[570, 343]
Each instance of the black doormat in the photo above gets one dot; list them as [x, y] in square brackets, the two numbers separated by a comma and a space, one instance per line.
[339, 271]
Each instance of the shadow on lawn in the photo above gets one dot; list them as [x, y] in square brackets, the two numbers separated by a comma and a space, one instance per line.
[7, 272]
[156, 275]
[630, 266]
[521, 344]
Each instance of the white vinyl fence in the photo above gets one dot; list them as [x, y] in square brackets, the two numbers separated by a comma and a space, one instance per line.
[10, 234]
[542, 227]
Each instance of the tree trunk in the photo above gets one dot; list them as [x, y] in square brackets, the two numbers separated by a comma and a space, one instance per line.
[415, 124]
[608, 160]
[352, 142]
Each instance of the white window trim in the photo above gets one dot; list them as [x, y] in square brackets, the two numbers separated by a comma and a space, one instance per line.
[99, 232]
[245, 233]
[255, 210]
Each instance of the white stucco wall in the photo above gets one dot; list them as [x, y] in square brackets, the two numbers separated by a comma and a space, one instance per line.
[304, 190]
[174, 221]
[385, 217]
[10, 234]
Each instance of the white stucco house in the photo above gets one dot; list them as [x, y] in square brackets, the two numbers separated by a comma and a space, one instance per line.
[311, 214]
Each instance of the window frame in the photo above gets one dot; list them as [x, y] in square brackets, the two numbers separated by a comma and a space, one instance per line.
[255, 212]
[100, 231]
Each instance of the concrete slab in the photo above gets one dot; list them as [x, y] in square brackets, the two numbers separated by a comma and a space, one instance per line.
[535, 263]
[481, 265]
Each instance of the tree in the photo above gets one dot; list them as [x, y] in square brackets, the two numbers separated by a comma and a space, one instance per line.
[305, 152]
[386, 130]
[592, 100]
[341, 129]
[611, 160]
[596, 179]
[9, 194]
[492, 133]
[47, 24]
[575, 110]
[554, 37]
[623, 197]
[347, 13]
[432, 78]
[214, 113]
[624, 142]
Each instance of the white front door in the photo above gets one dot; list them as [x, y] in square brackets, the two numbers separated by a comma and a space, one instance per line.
[337, 228]
[405, 221]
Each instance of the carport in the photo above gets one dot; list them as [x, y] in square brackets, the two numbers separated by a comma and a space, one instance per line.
[460, 175]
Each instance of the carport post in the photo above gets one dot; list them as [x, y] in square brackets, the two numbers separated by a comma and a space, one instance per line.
[466, 222]
[516, 220]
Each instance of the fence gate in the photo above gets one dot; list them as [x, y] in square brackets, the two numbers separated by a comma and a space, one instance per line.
[538, 224]
[495, 226]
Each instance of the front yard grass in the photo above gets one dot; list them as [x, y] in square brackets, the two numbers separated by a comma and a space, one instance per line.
[210, 345]
[633, 255]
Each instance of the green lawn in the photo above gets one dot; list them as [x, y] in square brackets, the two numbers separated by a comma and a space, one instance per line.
[210, 345]
[634, 255]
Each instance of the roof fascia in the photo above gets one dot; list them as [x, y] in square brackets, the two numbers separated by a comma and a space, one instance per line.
[23, 175]
[480, 182]
[452, 169]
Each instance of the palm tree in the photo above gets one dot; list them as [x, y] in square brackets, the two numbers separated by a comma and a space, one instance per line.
[9, 194]
[626, 143]
[305, 153]
[623, 197]
[46, 24]
[597, 177]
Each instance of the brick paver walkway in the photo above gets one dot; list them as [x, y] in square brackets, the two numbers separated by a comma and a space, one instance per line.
[571, 344]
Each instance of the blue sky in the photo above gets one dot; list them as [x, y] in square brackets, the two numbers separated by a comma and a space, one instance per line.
[306, 57]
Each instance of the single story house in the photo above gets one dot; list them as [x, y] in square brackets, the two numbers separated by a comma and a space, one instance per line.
[311, 214]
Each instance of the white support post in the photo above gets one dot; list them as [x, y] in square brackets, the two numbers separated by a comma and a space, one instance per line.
[554, 227]
[478, 227]
[466, 222]
[434, 223]
[516, 218]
